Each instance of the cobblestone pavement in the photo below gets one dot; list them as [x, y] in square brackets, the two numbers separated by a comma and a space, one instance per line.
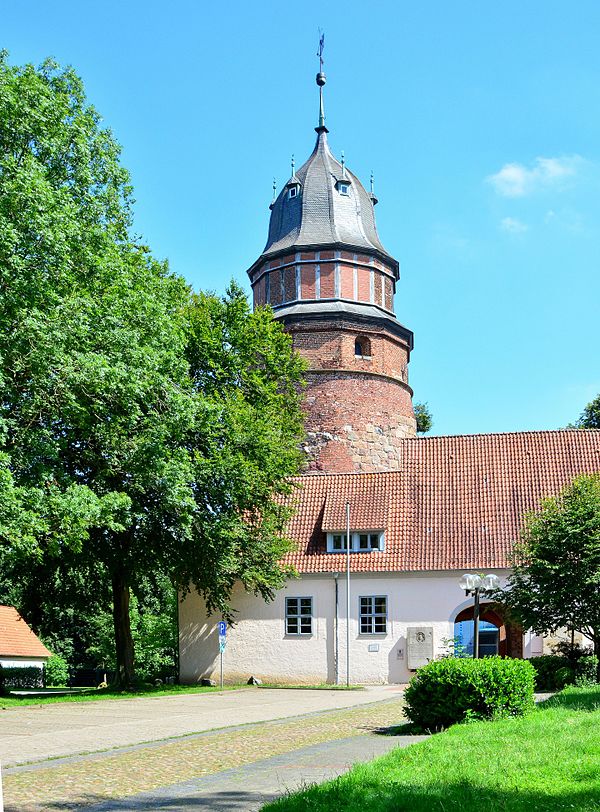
[248, 788]
[40, 732]
[96, 779]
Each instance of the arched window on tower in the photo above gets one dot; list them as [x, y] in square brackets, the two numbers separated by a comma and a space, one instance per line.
[362, 347]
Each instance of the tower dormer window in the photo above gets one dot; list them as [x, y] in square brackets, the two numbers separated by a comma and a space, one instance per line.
[343, 188]
[293, 192]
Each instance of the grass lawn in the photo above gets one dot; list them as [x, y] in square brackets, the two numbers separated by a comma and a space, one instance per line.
[548, 760]
[95, 694]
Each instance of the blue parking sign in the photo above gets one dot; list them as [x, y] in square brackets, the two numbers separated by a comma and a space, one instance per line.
[222, 628]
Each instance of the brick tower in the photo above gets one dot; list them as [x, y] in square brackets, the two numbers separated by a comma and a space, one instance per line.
[332, 283]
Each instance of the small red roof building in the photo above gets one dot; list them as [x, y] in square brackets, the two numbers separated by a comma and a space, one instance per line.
[17, 640]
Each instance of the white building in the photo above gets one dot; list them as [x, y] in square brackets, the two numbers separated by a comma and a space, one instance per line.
[422, 511]
[19, 646]
[456, 506]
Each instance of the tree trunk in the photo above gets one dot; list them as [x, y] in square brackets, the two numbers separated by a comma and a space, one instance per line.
[123, 638]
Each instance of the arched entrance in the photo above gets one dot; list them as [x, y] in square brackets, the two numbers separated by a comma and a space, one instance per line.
[496, 635]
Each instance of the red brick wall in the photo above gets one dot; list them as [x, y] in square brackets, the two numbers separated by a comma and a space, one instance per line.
[357, 409]
[346, 281]
[364, 285]
[331, 347]
[307, 276]
[275, 287]
[327, 280]
[289, 280]
[349, 264]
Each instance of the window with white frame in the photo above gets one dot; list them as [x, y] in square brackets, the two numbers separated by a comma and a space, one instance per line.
[293, 191]
[361, 541]
[298, 615]
[373, 614]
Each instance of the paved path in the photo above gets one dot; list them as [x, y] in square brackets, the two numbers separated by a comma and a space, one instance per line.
[235, 768]
[40, 732]
[247, 788]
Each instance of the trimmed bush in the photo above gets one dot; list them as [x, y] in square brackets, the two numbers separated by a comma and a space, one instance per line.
[29, 676]
[586, 670]
[56, 671]
[552, 672]
[448, 691]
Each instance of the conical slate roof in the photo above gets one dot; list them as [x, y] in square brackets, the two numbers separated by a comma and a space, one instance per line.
[320, 215]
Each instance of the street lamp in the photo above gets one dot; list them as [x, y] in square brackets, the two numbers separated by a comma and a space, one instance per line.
[476, 585]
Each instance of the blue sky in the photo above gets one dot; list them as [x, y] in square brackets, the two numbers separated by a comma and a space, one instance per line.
[480, 121]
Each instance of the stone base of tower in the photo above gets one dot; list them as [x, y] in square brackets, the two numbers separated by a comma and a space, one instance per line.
[356, 421]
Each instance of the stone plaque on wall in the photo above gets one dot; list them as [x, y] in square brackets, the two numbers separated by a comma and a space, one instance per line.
[419, 645]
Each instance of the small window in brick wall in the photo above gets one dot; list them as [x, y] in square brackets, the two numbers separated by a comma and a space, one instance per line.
[362, 347]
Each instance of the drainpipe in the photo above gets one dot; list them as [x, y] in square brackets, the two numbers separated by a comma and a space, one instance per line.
[337, 639]
[348, 594]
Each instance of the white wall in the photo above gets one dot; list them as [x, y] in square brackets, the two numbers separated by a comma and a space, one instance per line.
[258, 645]
[16, 662]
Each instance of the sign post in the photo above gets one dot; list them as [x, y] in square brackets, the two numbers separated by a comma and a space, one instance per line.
[222, 643]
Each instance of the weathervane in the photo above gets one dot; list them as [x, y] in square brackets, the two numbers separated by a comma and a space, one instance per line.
[293, 165]
[321, 81]
[321, 49]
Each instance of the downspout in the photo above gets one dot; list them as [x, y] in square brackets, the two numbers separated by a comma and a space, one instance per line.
[336, 631]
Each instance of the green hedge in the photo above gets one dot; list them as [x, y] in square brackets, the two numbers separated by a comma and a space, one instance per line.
[22, 677]
[553, 671]
[456, 689]
[550, 674]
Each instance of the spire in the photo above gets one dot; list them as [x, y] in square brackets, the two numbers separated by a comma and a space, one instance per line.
[372, 194]
[320, 82]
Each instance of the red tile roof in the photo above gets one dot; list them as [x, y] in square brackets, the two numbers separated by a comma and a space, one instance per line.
[16, 638]
[457, 502]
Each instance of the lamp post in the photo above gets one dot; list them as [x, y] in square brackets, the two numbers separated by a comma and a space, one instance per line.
[476, 585]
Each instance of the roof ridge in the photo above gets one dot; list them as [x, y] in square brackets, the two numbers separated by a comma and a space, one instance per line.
[503, 434]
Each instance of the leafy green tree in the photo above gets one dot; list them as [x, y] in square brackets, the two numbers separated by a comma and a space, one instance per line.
[424, 418]
[555, 581]
[153, 615]
[245, 447]
[590, 417]
[56, 671]
[124, 442]
[59, 598]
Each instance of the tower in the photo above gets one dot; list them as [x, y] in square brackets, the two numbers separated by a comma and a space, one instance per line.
[331, 283]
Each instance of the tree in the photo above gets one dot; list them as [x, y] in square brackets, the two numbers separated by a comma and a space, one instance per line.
[124, 444]
[555, 581]
[245, 447]
[424, 418]
[153, 616]
[590, 416]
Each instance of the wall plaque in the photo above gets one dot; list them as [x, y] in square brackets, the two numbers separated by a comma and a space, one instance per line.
[419, 645]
